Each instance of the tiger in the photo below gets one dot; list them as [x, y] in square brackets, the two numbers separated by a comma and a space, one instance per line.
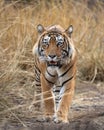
[55, 59]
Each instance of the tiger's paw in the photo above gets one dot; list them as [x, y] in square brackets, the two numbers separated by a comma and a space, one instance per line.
[58, 119]
[45, 118]
[48, 118]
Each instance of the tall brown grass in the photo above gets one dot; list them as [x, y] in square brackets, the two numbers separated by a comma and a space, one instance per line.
[18, 35]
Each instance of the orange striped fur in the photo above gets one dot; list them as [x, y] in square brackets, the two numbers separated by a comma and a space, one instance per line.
[55, 70]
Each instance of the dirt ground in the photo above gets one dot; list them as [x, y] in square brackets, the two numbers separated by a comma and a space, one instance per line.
[87, 112]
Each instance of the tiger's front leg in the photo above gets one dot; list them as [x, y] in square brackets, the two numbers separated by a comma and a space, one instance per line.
[64, 103]
[48, 99]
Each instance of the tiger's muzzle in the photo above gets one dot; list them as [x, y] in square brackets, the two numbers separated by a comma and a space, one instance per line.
[53, 60]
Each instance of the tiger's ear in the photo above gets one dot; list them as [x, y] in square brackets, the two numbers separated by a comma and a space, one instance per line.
[69, 30]
[40, 28]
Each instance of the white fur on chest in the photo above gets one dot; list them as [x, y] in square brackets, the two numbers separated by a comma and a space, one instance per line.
[53, 73]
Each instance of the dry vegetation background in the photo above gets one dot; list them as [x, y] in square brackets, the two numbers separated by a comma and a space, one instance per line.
[18, 34]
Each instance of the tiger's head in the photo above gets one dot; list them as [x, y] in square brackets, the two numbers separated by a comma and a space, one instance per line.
[54, 45]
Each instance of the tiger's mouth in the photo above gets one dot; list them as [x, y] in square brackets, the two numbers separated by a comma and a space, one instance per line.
[53, 63]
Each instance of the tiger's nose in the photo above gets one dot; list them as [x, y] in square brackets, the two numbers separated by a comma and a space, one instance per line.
[52, 56]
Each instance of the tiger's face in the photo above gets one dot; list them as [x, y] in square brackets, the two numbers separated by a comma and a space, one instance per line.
[54, 45]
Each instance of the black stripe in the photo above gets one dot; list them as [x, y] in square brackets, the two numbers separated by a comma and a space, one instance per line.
[39, 49]
[38, 84]
[57, 99]
[37, 68]
[56, 91]
[60, 66]
[37, 77]
[37, 80]
[66, 71]
[67, 80]
[37, 74]
[50, 74]
[48, 80]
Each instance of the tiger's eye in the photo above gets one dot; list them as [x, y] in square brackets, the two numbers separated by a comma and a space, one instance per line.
[60, 44]
[46, 39]
[60, 40]
[45, 42]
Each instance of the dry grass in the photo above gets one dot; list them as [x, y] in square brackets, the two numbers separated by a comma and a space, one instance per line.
[18, 35]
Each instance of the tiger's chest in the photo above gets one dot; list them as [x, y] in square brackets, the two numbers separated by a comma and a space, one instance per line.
[52, 74]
